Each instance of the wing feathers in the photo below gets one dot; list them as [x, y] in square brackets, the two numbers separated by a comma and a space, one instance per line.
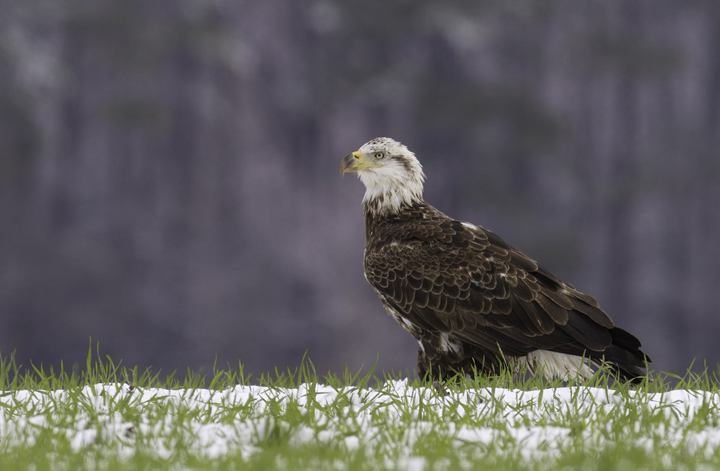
[501, 288]
[559, 299]
[522, 291]
[593, 312]
[451, 291]
[413, 283]
[449, 277]
[421, 298]
[539, 322]
[556, 313]
[587, 332]
[501, 306]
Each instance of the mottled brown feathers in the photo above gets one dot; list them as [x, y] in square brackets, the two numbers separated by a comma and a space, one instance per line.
[465, 283]
[471, 300]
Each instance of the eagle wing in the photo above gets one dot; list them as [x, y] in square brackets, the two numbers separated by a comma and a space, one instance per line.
[446, 276]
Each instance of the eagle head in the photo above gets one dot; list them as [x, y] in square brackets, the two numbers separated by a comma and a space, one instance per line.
[392, 176]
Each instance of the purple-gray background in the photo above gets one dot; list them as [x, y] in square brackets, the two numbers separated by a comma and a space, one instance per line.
[169, 177]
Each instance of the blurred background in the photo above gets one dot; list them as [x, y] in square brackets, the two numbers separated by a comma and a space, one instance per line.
[169, 170]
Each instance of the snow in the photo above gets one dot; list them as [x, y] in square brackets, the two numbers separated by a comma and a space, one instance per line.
[535, 424]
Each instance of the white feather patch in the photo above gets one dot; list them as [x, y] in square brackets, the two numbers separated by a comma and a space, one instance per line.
[446, 345]
[393, 184]
[553, 364]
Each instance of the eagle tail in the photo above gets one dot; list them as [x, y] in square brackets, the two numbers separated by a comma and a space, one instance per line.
[625, 357]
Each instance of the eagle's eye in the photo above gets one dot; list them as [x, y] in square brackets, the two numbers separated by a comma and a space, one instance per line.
[379, 155]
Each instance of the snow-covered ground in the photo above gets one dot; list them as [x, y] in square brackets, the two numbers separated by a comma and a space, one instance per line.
[392, 422]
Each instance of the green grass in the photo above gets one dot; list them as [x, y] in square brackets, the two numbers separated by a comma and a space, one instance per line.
[106, 416]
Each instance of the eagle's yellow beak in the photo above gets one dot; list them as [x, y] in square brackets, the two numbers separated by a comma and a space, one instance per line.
[355, 162]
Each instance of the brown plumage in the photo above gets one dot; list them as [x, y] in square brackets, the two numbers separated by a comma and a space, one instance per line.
[470, 299]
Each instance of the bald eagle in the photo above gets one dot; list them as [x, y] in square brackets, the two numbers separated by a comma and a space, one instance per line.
[473, 302]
